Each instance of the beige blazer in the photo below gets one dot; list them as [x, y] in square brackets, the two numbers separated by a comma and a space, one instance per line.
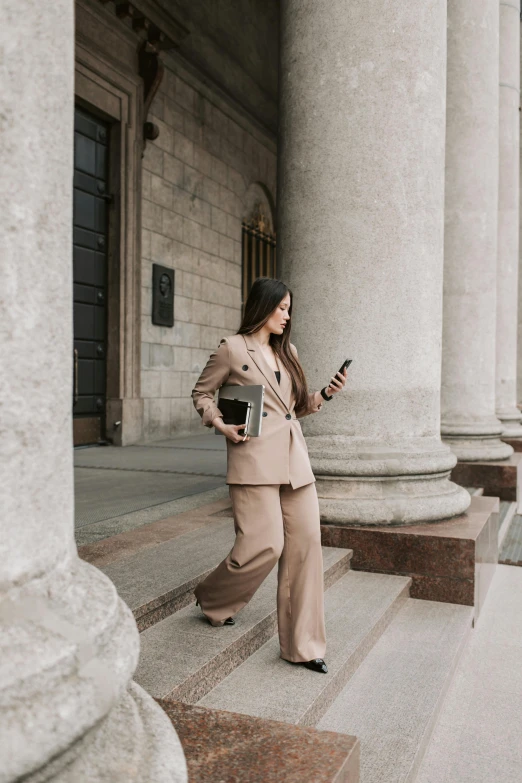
[279, 455]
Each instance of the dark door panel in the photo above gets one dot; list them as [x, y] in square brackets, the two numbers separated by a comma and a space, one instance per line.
[89, 266]
[90, 228]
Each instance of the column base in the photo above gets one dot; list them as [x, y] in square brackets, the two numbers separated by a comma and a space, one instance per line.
[135, 743]
[478, 449]
[403, 500]
[511, 423]
[515, 443]
[451, 561]
[363, 482]
[500, 479]
[124, 421]
[69, 708]
[475, 439]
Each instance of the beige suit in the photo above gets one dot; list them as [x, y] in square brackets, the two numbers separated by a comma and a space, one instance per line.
[279, 455]
[276, 512]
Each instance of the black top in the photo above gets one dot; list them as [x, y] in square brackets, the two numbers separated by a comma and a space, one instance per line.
[278, 375]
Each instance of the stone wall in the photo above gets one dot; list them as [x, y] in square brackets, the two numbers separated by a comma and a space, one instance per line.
[196, 175]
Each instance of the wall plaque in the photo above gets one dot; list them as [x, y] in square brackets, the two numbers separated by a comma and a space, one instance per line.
[162, 295]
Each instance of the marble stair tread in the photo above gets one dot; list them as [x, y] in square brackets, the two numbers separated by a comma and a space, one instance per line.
[392, 701]
[183, 656]
[358, 608]
[162, 574]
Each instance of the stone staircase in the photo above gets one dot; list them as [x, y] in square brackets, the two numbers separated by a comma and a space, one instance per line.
[390, 661]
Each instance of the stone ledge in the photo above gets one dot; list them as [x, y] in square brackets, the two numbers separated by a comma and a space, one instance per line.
[221, 745]
[450, 561]
[500, 478]
[124, 545]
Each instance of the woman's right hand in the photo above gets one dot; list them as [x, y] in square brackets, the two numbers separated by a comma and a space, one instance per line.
[230, 431]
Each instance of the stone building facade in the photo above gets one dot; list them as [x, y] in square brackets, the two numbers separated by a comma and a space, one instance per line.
[212, 163]
[397, 190]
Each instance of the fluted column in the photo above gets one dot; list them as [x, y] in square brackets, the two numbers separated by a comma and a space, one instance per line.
[68, 645]
[469, 424]
[508, 219]
[360, 235]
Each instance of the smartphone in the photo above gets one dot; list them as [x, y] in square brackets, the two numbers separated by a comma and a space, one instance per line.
[345, 364]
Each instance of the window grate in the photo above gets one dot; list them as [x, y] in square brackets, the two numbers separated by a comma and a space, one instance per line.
[259, 256]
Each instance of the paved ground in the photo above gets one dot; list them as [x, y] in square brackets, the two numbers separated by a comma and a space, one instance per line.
[118, 489]
[478, 738]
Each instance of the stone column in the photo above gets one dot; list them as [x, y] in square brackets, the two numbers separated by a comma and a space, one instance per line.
[360, 236]
[68, 645]
[469, 424]
[519, 318]
[508, 219]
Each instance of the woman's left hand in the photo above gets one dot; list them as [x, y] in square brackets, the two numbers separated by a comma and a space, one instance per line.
[337, 382]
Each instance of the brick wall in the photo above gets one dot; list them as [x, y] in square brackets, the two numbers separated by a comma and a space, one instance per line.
[195, 177]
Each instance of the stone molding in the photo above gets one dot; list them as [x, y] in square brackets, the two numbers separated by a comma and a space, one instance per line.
[114, 90]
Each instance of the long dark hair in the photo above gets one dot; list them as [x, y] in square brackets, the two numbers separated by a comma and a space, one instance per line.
[265, 295]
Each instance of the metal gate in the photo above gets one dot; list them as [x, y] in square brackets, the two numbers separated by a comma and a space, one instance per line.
[90, 235]
[259, 252]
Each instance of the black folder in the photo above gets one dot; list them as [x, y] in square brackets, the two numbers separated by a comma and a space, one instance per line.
[235, 411]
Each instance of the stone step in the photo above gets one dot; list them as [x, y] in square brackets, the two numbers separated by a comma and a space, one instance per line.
[358, 608]
[159, 580]
[392, 701]
[183, 657]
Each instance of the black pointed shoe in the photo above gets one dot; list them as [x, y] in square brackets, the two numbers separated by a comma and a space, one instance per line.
[228, 621]
[317, 665]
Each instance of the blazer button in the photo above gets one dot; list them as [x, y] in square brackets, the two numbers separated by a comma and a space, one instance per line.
[245, 367]
[265, 413]
[288, 416]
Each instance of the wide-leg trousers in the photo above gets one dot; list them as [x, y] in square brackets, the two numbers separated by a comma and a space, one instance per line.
[274, 523]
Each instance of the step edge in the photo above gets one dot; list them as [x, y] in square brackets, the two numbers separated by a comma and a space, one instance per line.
[346, 671]
[223, 663]
[168, 604]
[420, 752]
[327, 696]
[185, 591]
[260, 633]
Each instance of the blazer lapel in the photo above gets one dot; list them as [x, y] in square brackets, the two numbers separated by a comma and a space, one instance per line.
[266, 370]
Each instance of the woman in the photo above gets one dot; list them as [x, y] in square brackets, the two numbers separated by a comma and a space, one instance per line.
[274, 500]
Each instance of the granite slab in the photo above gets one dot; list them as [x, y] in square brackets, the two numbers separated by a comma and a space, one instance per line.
[445, 560]
[227, 748]
[500, 478]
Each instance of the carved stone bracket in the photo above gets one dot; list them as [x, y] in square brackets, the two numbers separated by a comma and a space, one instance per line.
[158, 31]
[151, 70]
